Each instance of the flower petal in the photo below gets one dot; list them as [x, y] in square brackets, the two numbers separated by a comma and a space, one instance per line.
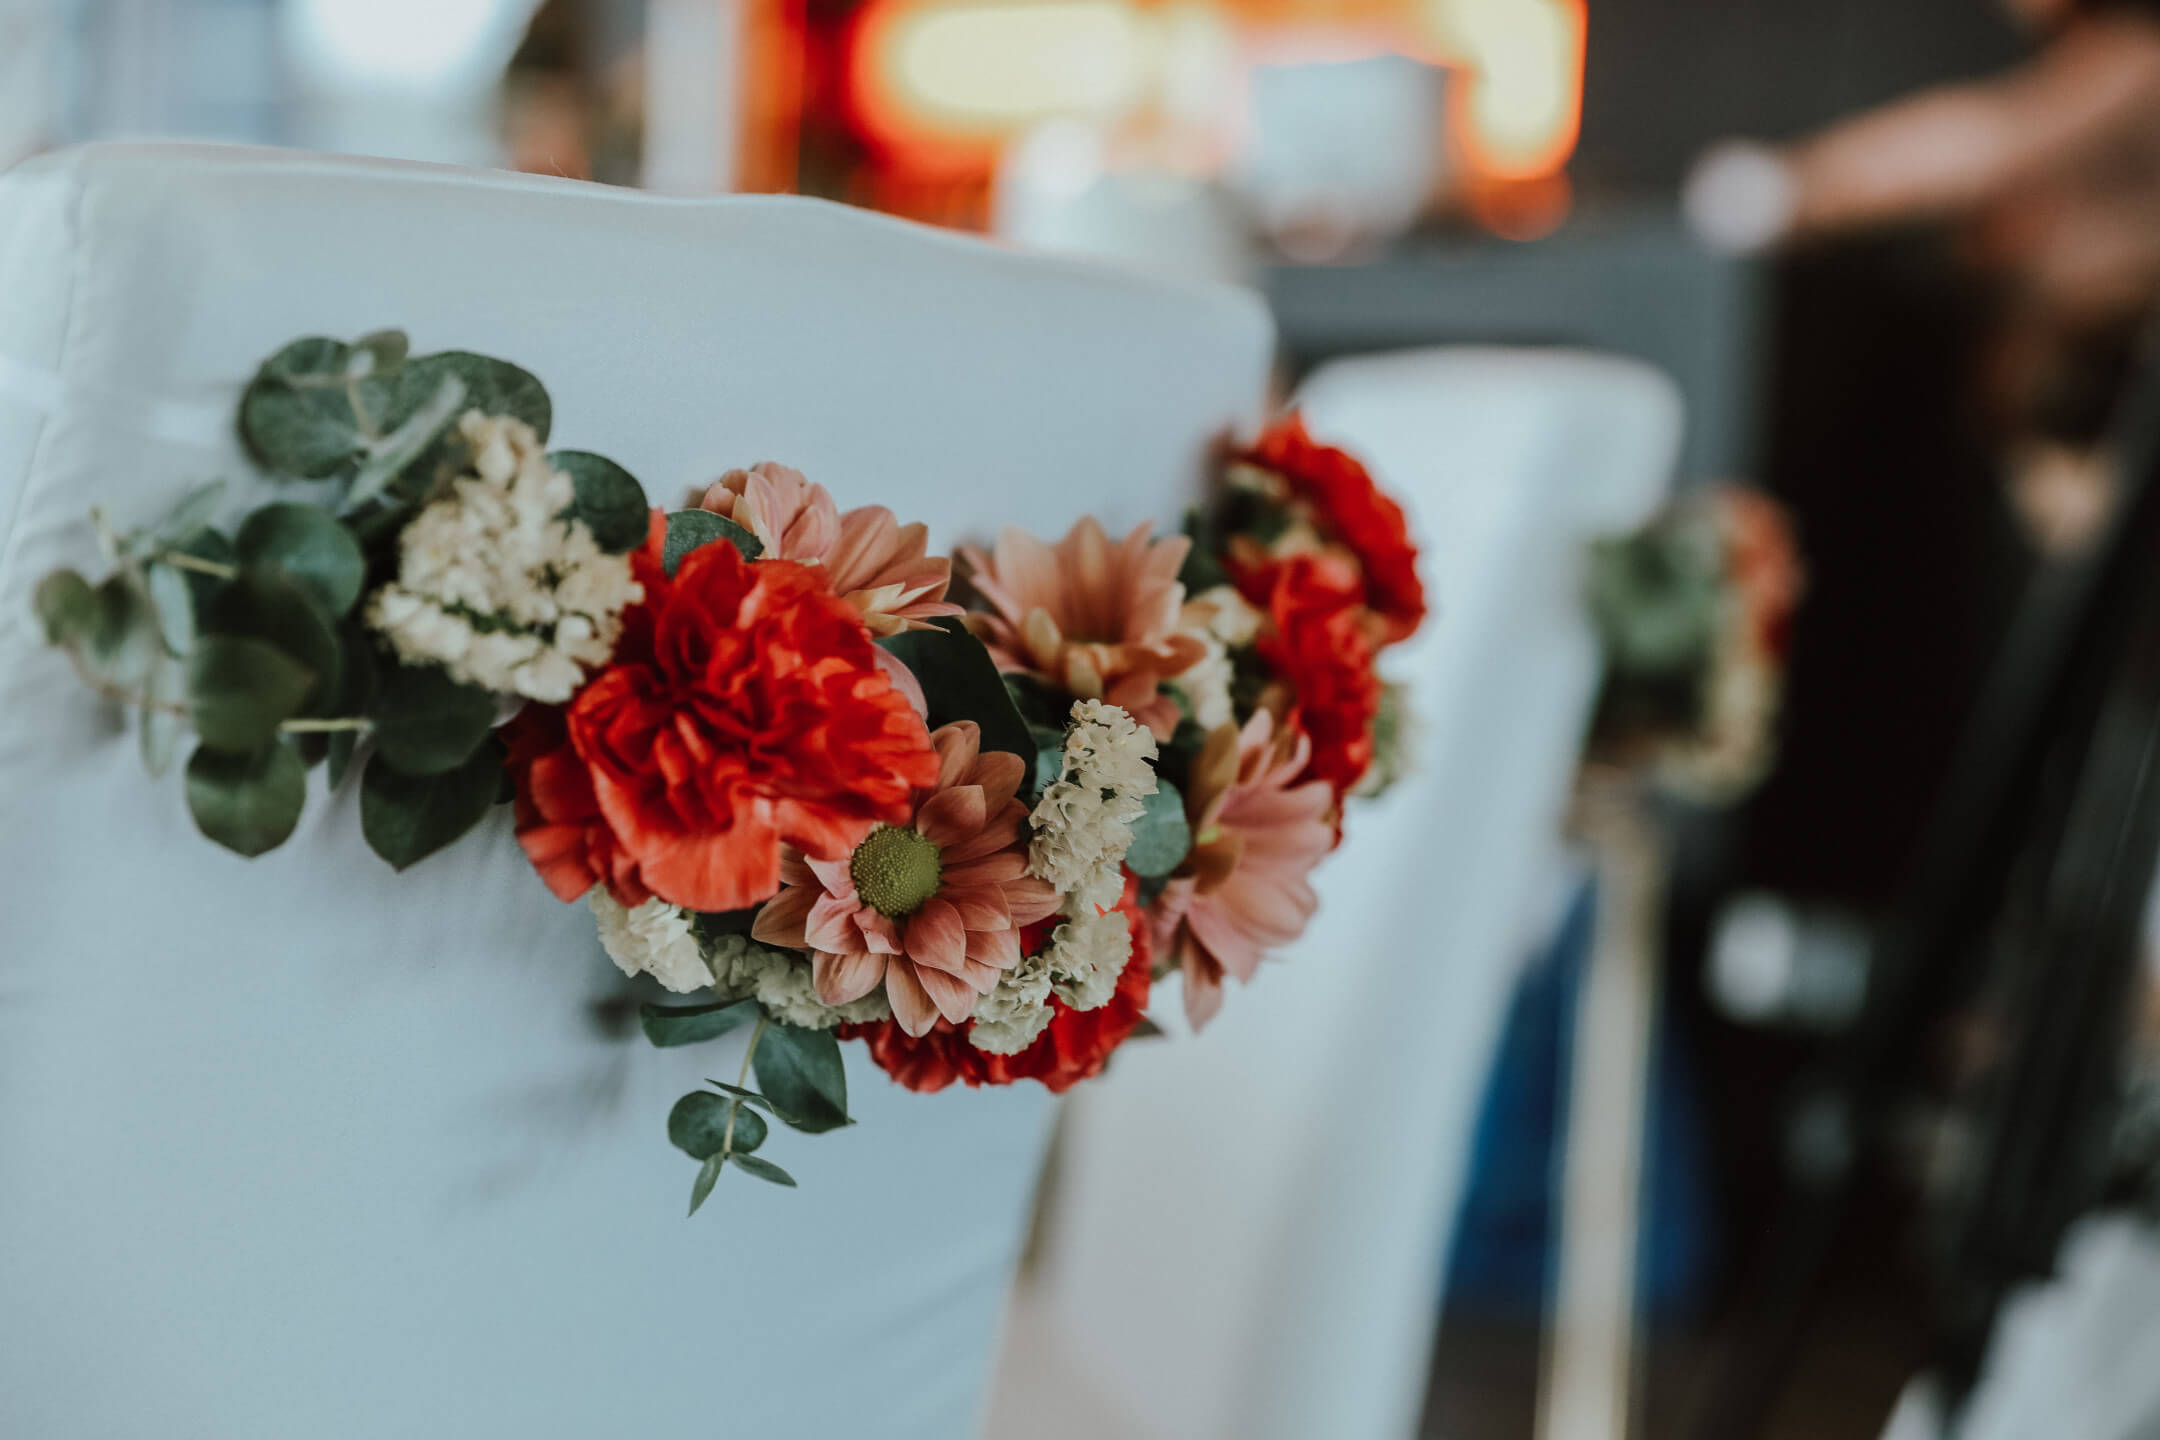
[953, 996]
[911, 1003]
[953, 817]
[843, 978]
[780, 920]
[830, 923]
[935, 937]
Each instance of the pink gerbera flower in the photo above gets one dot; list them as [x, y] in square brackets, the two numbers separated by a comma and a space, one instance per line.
[1243, 891]
[1098, 620]
[879, 566]
[931, 909]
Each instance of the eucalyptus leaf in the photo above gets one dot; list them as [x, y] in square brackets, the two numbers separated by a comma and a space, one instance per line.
[748, 1097]
[296, 416]
[339, 752]
[698, 1125]
[426, 722]
[192, 513]
[689, 530]
[669, 1025]
[240, 689]
[67, 606]
[249, 803]
[272, 606]
[1162, 837]
[173, 599]
[609, 500]
[762, 1168]
[706, 1175]
[801, 1073]
[414, 437]
[961, 682]
[406, 818]
[493, 387]
[210, 545]
[123, 636]
[307, 546]
[384, 349]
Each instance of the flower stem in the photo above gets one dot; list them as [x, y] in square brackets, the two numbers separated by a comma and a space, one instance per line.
[318, 727]
[742, 1082]
[121, 695]
[181, 560]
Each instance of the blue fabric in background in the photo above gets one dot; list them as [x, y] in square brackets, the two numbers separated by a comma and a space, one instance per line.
[1505, 1241]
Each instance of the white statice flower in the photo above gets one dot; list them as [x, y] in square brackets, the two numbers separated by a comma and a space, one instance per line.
[495, 585]
[780, 980]
[1222, 621]
[1083, 823]
[654, 939]
[1086, 957]
[1016, 1011]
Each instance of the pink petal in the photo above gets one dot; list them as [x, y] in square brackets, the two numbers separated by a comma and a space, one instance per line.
[1000, 773]
[981, 907]
[953, 996]
[830, 924]
[953, 817]
[911, 1003]
[835, 877]
[1004, 865]
[957, 745]
[780, 920]
[998, 948]
[935, 937]
[843, 978]
[1000, 832]
[903, 680]
[1031, 900]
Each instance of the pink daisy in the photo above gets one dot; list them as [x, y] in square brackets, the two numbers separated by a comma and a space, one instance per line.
[1096, 619]
[879, 566]
[1256, 836]
[931, 909]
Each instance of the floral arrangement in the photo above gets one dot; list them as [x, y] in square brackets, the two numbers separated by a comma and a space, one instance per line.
[1695, 612]
[790, 775]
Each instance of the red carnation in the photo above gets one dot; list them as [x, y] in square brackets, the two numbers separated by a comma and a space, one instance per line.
[1354, 512]
[1075, 1047]
[744, 708]
[1319, 643]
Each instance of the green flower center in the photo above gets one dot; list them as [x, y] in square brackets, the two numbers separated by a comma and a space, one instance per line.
[895, 870]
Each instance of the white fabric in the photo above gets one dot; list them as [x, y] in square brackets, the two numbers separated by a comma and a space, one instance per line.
[1248, 1234]
[296, 1147]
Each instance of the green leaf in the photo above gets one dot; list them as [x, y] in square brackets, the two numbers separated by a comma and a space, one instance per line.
[173, 600]
[699, 1123]
[205, 544]
[407, 818]
[961, 682]
[191, 514]
[296, 416]
[762, 1168]
[67, 607]
[248, 803]
[1161, 837]
[706, 1175]
[609, 500]
[398, 451]
[123, 638]
[384, 349]
[240, 688]
[307, 546]
[748, 1097]
[493, 387]
[271, 606]
[426, 722]
[801, 1074]
[689, 530]
[668, 1025]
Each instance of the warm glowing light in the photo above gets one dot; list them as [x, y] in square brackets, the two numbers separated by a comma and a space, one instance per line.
[1522, 60]
[999, 66]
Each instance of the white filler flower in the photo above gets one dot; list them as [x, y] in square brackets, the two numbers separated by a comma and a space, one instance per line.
[654, 939]
[495, 584]
[1083, 823]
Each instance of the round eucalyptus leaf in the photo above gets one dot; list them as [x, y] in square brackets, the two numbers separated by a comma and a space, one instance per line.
[426, 722]
[174, 601]
[192, 513]
[270, 605]
[493, 387]
[67, 607]
[699, 1124]
[247, 802]
[801, 1074]
[308, 547]
[689, 530]
[406, 818]
[123, 638]
[385, 350]
[296, 416]
[240, 688]
[609, 500]
[962, 682]
[764, 1169]
[1161, 836]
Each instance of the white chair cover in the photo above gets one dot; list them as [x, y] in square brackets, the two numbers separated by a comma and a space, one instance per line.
[1248, 1233]
[296, 1147]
